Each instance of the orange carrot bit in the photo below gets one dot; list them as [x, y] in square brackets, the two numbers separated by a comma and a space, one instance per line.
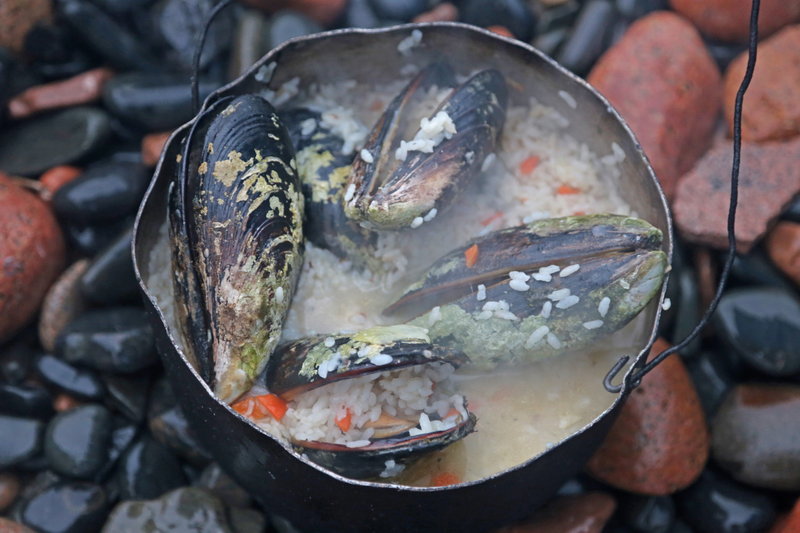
[529, 165]
[243, 407]
[491, 218]
[274, 404]
[452, 412]
[442, 479]
[471, 255]
[579, 213]
[345, 421]
[567, 189]
[500, 30]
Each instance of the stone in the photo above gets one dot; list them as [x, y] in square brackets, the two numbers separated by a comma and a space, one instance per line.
[659, 443]
[26, 400]
[65, 402]
[55, 178]
[67, 507]
[148, 470]
[89, 239]
[755, 268]
[33, 255]
[550, 42]
[729, 20]
[286, 25]
[671, 101]
[789, 523]
[169, 425]
[220, 484]
[22, 439]
[81, 89]
[400, 10]
[128, 395]
[754, 436]
[248, 42]
[76, 441]
[444, 12]
[9, 526]
[118, 339]
[516, 15]
[648, 514]
[33, 146]
[761, 325]
[589, 37]
[9, 489]
[783, 246]
[246, 520]
[714, 504]
[772, 111]
[62, 304]
[185, 509]
[579, 513]
[82, 383]
[110, 278]
[325, 12]
[16, 361]
[705, 264]
[688, 311]
[557, 17]
[767, 182]
[712, 379]
[724, 53]
[359, 14]
[17, 17]
[152, 146]
[634, 9]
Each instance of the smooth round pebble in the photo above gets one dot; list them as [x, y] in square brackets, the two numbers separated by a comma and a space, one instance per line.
[65, 507]
[30, 401]
[185, 509]
[148, 470]
[83, 383]
[515, 15]
[76, 441]
[22, 439]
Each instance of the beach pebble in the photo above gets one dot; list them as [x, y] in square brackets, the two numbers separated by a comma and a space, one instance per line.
[184, 509]
[755, 268]
[55, 178]
[515, 15]
[17, 17]
[81, 89]
[789, 523]
[724, 53]
[62, 304]
[128, 395]
[323, 11]
[634, 9]
[32, 253]
[768, 180]
[152, 146]
[9, 526]
[399, 10]
[444, 12]
[715, 504]
[16, 361]
[659, 443]
[91, 238]
[783, 246]
[82, 383]
[288, 24]
[67, 507]
[754, 436]
[574, 513]
[220, 484]
[33, 146]
[773, 99]
[147, 470]
[22, 439]
[670, 100]
[713, 378]
[110, 279]
[360, 14]
[118, 339]
[762, 327]
[729, 20]
[170, 427]
[9, 489]
[76, 441]
[26, 400]
[648, 514]
[589, 37]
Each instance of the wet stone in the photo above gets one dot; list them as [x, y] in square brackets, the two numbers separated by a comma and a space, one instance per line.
[724, 53]
[81, 89]
[360, 14]
[106, 190]
[116, 339]
[220, 484]
[579, 513]
[444, 12]
[634, 9]
[185, 509]
[22, 439]
[55, 178]
[16, 360]
[400, 10]
[33, 146]
[120, 7]
[14, 76]
[550, 42]
[110, 278]
[169, 425]
[762, 326]
[648, 514]
[76, 441]
[152, 146]
[74, 507]
[715, 504]
[688, 310]
[755, 435]
[246, 520]
[557, 17]
[590, 36]
[729, 20]
[29, 401]
[712, 379]
[82, 383]
[128, 395]
[147, 470]
[755, 269]
[9, 526]
[9, 489]
[286, 25]
[62, 304]
[792, 211]
[515, 15]
[17, 17]
[783, 246]
[89, 239]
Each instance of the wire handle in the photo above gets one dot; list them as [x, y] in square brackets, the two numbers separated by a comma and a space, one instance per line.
[633, 379]
[198, 51]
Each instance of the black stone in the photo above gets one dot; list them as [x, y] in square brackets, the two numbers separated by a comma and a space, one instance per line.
[33, 146]
[110, 279]
[634, 9]
[123, 435]
[688, 310]
[648, 514]
[712, 379]
[755, 268]
[106, 190]
[217, 482]
[116, 339]
[515, 15]
[288, 24]
[15, 77]
[680, 527]
[120, 7]
[89, 239]
[724, 53]
[16, 360]
[21, 439]
[792, 211]
[169, 426]
[185, 509]
[81, 383]
[762, 325]
[128, 395]
[715, 504]
[147, 470]
[557, 17]
[76, 441]
[29, 401]
[246, 520]
[359, 14]
[106, 37]
[47, 43]
[590, 36]
[76, 507]
[399, 10]
[152, 101]
[550, 42]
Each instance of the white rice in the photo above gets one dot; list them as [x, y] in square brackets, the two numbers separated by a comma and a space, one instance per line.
[406, 45]
[603, 306]
[593, 324]
[571, 269]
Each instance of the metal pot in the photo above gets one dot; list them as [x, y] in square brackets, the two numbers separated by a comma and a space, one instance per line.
[285, 483]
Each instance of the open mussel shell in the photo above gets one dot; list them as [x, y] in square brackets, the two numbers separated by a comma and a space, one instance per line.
[287, 484]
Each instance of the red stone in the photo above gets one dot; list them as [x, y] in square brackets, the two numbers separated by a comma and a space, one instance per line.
[444, 12]
[9, 526]
[783, 246]
[323, 11]
[768, 179]
[577, 513]
[32, 254]
[152, 146]
[64, 402]
[659, 444]
[771, 107]
[729, 20]
[63, 303]
[664, 83]
[789, 523]
[705, 265]
[55, 178]
[17, 17]
[9, 488]
[81, 89]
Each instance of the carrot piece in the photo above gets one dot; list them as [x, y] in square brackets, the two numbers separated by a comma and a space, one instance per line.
[529, 165]
[491, 218]
[243, 406]
[345, 421]
[272, 403]
[471, 255]
[579, 213]
[567, 189]
[452, 412]
[442, 479]
[500, 30]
